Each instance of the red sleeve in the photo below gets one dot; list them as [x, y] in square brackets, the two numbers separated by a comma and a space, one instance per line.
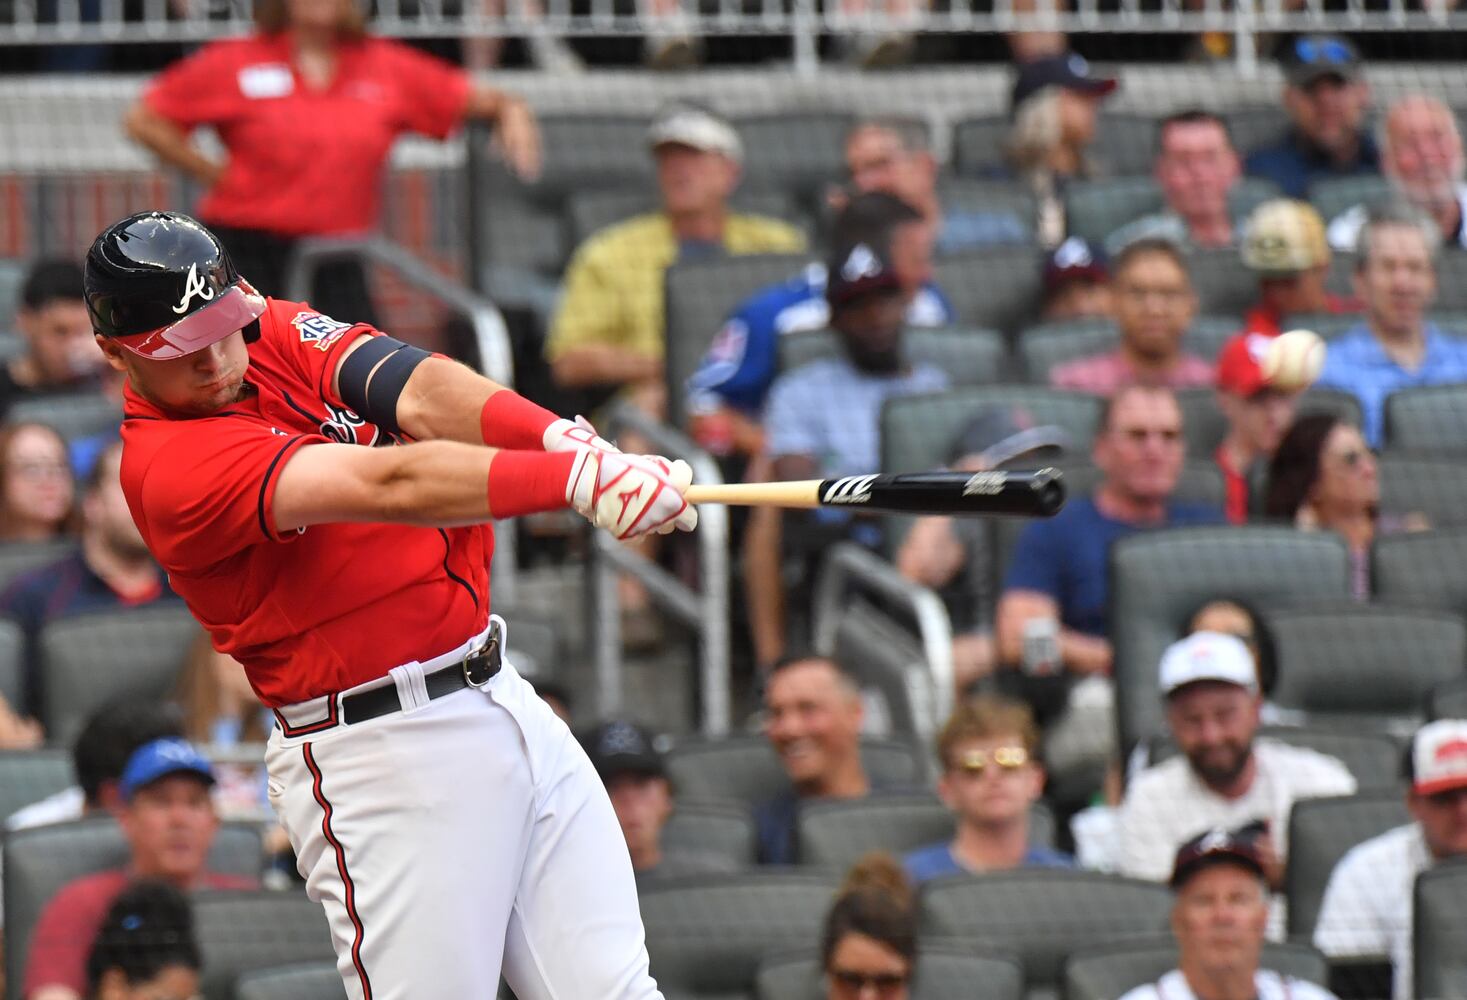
[311, 343]
[64, 935]
[202, 89]
[433, 94]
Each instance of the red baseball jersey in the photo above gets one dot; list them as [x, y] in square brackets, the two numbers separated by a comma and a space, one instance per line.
[302, 160]
[307, 612]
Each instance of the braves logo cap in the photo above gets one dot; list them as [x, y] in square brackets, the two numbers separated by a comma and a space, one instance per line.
[1208, 656]
[1212, 848]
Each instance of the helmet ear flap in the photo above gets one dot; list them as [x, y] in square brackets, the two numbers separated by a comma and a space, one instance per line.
[252, 332]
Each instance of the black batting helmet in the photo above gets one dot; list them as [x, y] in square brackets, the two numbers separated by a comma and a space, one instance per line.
[163, 286]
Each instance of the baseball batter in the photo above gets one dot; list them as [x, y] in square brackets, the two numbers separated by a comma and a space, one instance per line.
[442, 814]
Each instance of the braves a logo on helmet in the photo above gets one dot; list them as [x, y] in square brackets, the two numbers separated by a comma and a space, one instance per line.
[317, 330]
[193, 285]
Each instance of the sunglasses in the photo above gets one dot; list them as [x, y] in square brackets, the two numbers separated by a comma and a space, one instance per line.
[1322, 50]
[855, 981]
[975, 762]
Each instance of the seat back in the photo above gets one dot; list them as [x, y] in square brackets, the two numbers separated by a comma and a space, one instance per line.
[1429, 486]
[13, 686]
[19, 558]
[744, 769]
[797, 153]
[1321, 832]
[999, 199]
[73, 414]
[307, 981]
[28, 776]
[1255, 125]
[1222, 283]
[1422, 569]
[710, 828]
[1333, 195]
[1095, 209]
[940, 974]
[969, 357]
[1439, 941]
[1108, 972]
[1125, 142]
[1429, 419]
[978, 144]
[1448, 700]
[917, 432]
[996, 288]
[1451, 280]
[240, 932]
[1043, 347]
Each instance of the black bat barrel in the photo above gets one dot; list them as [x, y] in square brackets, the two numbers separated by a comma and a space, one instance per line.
[1026, 494]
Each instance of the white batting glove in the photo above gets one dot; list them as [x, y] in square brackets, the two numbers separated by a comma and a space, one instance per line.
[631, 495]
[568, 435]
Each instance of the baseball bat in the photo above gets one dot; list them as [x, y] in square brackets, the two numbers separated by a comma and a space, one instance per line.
[1032, 494]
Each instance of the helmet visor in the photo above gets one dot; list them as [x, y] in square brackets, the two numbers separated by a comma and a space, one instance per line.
[237, 307]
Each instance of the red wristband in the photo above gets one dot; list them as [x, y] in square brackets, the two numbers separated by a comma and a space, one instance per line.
[528, 482]
[509, 420]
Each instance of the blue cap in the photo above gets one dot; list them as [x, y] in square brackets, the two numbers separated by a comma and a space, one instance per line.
[161, 758]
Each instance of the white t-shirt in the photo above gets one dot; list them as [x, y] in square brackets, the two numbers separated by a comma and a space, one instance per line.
[1367, 904]
[1268, 984]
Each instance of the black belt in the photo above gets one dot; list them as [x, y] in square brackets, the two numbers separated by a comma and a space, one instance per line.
[474, 670]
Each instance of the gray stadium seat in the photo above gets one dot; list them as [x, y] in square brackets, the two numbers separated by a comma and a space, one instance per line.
[1223, 284]
[837, 833]
[744, 769]
[12, 276]
[94, 657]
[978, 144]
[996, 288]
[1330, 660]
[707, 935]
[1429, 419]
[1327, 325]
[308, 981]
[1333, 195]
[917, 431]
[588, 212]
[1106, 973]
[1429, 486]
[1158, 578]
[19, 558]
[941, 974]
[1372, 758]
[1321, 831]
[795, 152]
[1451, 281]
[73, 414]
[1046, 345]
[1256, 125]
[1448, 700]
[1041, 915]
[969, 357]
[1439, 944]
[240, 932]
[28, 776]
[597, 150]
[724, 830]
[1125, 143]
[884, 655]
[1203, 425]
[41, 860]
[962, 194]
[1345, 405]
[1422, 569]
[12, 666]
[1095, 209]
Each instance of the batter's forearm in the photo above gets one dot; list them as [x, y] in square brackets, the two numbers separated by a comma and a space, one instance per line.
[444, 483]
[443, 401]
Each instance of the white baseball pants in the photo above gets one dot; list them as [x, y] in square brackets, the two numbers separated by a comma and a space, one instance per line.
[459, 838]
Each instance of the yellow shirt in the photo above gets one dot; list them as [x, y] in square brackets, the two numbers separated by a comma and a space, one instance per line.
[613, 287]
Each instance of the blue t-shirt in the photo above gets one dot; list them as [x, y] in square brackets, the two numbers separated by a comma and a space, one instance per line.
[937, 860]
[1066, 557]
[741, 363]
[1292, 163]
[1355, 362]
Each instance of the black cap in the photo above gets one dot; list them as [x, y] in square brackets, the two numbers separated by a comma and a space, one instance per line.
[1312, 57]
[1231, 847]
[1071, 71]
[856, 271]
[1075, 258]
[619, 747]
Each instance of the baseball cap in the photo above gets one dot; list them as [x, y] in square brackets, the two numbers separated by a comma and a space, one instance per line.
[1207, 656]
[856, 271]
[1284, 237]
[160, 758]
[1439, 757]
[1075, 258]
[1240, 365]
[621, 747]
[1212, 848]
[695, 126]
[1312, 57]
[1071, 71]
[1004, 433]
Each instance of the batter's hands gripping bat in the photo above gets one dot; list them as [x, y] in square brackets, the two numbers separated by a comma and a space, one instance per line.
[1032, 494]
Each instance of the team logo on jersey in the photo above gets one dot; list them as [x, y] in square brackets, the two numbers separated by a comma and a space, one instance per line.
[344, 427]
[193, 285]
[317, 330]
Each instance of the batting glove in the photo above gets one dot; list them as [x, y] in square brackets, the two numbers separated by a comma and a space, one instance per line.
[631, 495]
[568, 435]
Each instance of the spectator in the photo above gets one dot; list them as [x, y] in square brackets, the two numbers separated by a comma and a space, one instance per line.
[111, 569]
[221, 709]
[812, 716]
[1076, 283]
[307, 109]
[1257, 414]
[1154, 305]
[893, 156]
[1054, 106]
[1367, 905]
[60, 355]
[608, 332]
[991, 778]
[1422, 158]
[868, 947]
[1236, 617]
[808, 437]
[168, 819]
[145, 949]
[732, 383]
[634, 770]
[1396, 347]
[1323, 477]
[1225, 775]
[1326, 97]
[36, 487]
[1196, 169]
[1284, 244]
[1219, 919]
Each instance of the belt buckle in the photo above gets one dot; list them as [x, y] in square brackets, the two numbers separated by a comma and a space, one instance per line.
[481, 666]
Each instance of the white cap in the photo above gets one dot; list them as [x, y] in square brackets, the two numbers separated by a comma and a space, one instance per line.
[1208, 656]
[1439, 757]
[697, 127]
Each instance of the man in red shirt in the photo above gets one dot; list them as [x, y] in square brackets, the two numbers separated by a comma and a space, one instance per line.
[1284, 243]
[1258, 415]
[441, 812]
[169, 821]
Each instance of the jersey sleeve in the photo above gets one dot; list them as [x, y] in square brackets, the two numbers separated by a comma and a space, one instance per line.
[434, 94]
[312, 343]
[202, 89]
[739, 364]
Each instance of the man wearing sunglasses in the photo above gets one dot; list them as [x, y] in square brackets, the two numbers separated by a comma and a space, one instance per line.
[1326, 97]
[1367, 904]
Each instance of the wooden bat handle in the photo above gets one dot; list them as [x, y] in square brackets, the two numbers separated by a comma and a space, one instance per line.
[797, 493]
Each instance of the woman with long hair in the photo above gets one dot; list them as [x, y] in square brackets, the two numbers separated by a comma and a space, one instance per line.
[37, 488]
[868, 948]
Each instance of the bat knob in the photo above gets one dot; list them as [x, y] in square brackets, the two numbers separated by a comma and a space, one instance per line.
[1049, 491]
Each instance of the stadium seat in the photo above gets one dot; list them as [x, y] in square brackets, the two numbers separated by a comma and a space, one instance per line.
[40, 860]
[1422, 569]
[91, 658]
[996, 288]
[28, 776]
[19, 558]
[1451, 281]
[941, 974]
[1125, 143]
[917, 431]
[307, 981]
[1321, 832]
[1224, 286]
[73, 414]
[978, 144]
[1334, 195]
[1330, 660]
[1203, 424]
[1373, 758]
[797, 153]
[1327, 325]
[969, 357]
[706, 935]
[724, 830]
[1428, 420]
[1095, 209]
[1439, 945]
[962, 194]
[1158, 578]
[12, 276]
[12, 667]
[1041, 915]
[1448, 700]
[1428, 486]
[1345, 405]
[588, 212]
[744, 769]
[241, 932]
[591, 151]
[884, 656]
[1045, 345]
[1107, 972]
[1257, 125]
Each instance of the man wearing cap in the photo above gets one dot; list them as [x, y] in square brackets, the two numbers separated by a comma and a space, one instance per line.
[608, 332]
[1367, 904]
[1326, 97]
[168, 818]
[1258, 414]
[1224, 774]
[1219, 920]
[1284, 244]
[1076, 282]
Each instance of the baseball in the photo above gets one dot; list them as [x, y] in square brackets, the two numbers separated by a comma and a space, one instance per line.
[1293, 359]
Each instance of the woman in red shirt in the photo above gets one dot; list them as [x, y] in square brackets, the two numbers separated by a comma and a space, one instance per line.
[307, 109]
